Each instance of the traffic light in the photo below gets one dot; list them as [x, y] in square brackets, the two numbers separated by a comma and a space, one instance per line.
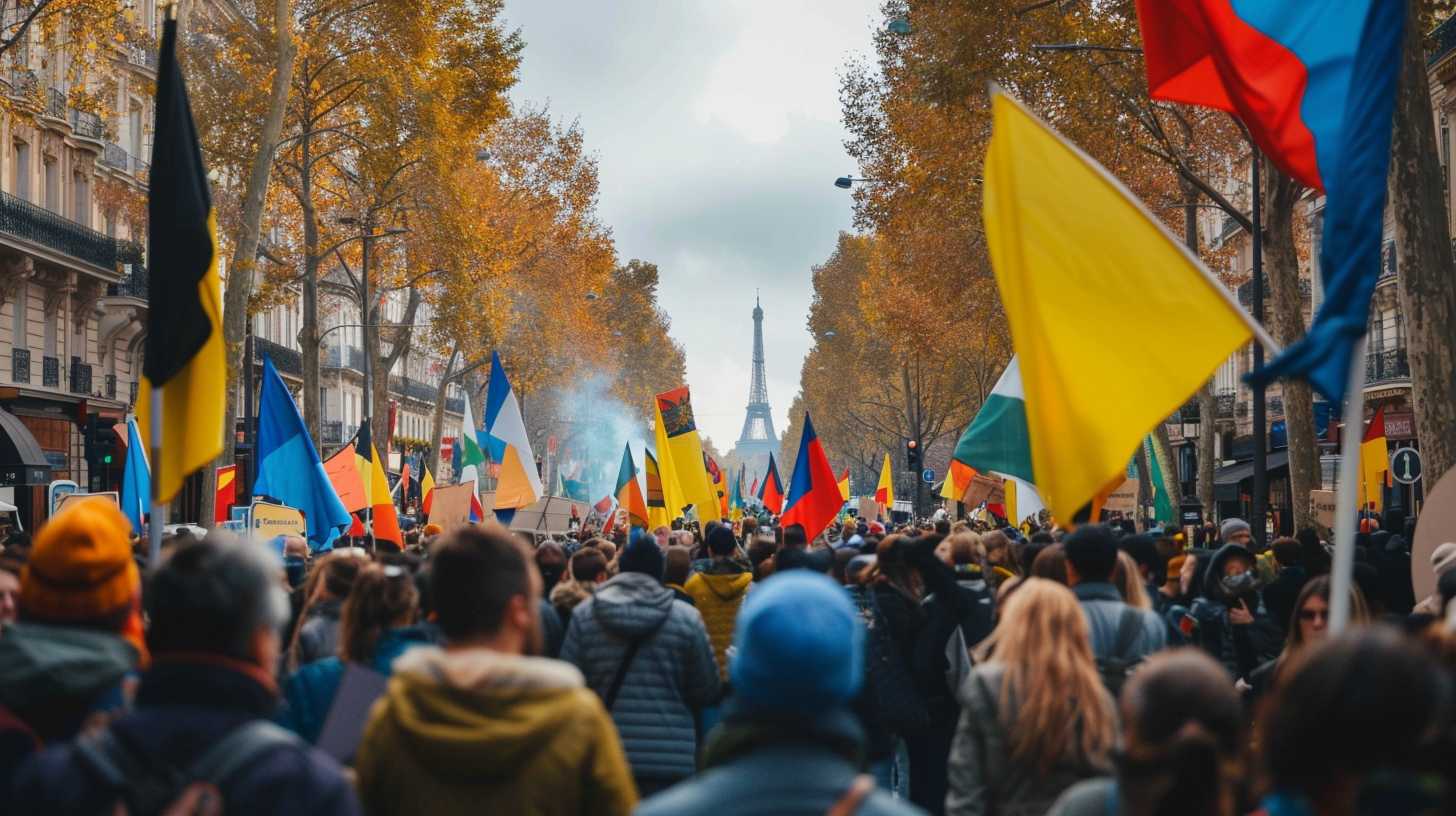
[912, 456]
[100, 443]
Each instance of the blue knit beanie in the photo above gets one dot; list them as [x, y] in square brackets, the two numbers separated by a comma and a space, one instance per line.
[642, 555]
[800, 645]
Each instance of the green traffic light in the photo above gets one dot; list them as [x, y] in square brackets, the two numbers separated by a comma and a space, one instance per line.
[106, 459]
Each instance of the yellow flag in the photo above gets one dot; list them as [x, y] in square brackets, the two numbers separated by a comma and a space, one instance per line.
[1114, 322]
[679, 438]
[885, 490]
[672, 494]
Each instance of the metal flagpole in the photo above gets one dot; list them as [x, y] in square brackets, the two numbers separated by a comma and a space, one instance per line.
[1346, 512]
[159, 511]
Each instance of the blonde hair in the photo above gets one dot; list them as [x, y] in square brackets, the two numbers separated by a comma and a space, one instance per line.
[1052, 697]
[1129, 582]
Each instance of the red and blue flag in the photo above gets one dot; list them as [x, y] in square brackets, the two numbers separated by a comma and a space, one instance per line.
[1314, 83]
[814, 499]
[771, 489]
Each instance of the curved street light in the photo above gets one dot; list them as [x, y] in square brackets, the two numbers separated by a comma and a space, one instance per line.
[846, 182]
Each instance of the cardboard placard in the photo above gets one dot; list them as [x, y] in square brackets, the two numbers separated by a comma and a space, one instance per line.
[271, 522]
[1322, 504]
[1436, 526]
[988, 489]
[450, 505]
[67, 499]
[343, 729]
[1123, 498]
[868, 509]
[551, 514]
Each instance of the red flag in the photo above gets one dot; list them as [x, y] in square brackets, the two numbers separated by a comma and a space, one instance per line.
[814, 499]
[771, 489]
[227, 492]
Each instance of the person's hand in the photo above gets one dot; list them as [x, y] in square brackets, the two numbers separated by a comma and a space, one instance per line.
[1240, 615]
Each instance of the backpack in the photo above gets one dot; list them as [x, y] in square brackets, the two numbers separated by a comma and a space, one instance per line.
[1118, 666]
[147, 785]
[890, 686]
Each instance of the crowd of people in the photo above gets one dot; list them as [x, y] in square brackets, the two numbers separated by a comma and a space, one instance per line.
[936, 666]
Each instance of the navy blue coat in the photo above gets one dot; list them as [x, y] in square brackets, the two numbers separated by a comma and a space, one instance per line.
[182, 709]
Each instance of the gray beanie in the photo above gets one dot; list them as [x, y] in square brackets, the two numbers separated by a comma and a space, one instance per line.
[1231, 526]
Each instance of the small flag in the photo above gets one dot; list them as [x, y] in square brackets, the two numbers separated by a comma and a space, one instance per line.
[227, 493]
[771, 489]
[288, 464]
[1374, 461]
[383, 520]
[657, 515]
[1315, 84]
[427, 492]
[885, 490]
[957, 479]
[1066, 238]
[629, 493]
[184, 355]
[343, 471]
[471, 458]
[519, 484]
[136, 479]
[814, 498]
[844, 484]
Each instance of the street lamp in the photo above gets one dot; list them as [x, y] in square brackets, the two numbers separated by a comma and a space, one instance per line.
[846, 182]
[899, 25]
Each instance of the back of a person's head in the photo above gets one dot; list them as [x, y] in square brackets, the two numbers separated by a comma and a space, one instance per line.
[475, 573]
[586, 564]
[1051, 563]
[1129, 581]
[1286, 551]
[550, 553]
[842, 557]
[80, 569]
[679, 564]
[762, 549]
[336, 572]
[214, 598]
[799, 644]
[383, 596]
[721, 542]
[795, 536]
[1092, 552]
[1183, 727]
[965, 548]
[750, 527]
[1144, 551]
[942, 527]
[1368, 700]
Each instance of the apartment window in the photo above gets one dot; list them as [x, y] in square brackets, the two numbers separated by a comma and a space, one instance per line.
[18, 329]
[81, 199]
[109, 225]
[52, 186]
[134, 127]
[50, 337]
[324, 404]
[21, 171]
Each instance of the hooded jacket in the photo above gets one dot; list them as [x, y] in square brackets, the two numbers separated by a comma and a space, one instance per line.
[672, 673]
[309, 693]
[478, 731]
[51, 677]
[718, 593]
[1240, 648]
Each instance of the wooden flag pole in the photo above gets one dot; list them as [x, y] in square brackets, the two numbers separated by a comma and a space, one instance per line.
[158, 516]
[1346, 510]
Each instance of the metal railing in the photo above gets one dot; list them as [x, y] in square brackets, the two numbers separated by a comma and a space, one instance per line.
[87, 125]
[110, 386]
[1443, 41]
[1389, 265]
[331, 432]
[50, 372]
[80, 376]
[55, 106]
[112, 155]
[135, 386]
[1276, 405]
[285, 359]
[454, 405]
[1242, 409]
[414, 389]
[1226, 401]
[341, 356]
[22, 82]
[1389, 365]
[26, 221]
[134, 282]
[20, 365]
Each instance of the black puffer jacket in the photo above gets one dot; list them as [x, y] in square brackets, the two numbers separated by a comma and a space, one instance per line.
[672, 673]
[1241, 649]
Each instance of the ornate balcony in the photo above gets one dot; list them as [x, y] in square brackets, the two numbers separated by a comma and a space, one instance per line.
[1390, 365]
[331, 432]
[285, 359]
[55, 106]
[80, 377]
[23, 220]
[50, 372]
[87, 125]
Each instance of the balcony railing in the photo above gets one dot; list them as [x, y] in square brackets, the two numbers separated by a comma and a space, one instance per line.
[1390, 365]
[340, 356]
[20, 365]
[24, 220]
[110, 386]
[87, 125]
[55, 104]
[112, 155]
[1276, 405]
[1388, 262]
[1226, 401]
[331, 432]
[414, 389]
[285, 359]
[455, 405]
[1242, 410]
[22, 82]
[131, 399]
[50, 372]
[80, 376]
[134, 282]
[1443, 41]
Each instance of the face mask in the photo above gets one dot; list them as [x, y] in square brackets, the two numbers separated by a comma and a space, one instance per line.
[551, 574]
[296, 569]
[1238, 584]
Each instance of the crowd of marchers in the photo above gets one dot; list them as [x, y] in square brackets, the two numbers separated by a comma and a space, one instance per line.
[935, 666]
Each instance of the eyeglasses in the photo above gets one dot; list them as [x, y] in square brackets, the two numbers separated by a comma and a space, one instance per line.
[1313, 614]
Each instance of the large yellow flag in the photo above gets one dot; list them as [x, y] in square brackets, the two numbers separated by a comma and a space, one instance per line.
[672, 494]
[678, 429]
[885, 490]
[1115, 323]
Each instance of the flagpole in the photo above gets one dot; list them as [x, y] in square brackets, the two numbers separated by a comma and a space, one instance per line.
[158, 515]
[1341, 573]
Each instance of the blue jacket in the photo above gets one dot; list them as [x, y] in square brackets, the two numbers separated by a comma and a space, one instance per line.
[757, 764]
[672, 674]
[183, 707]
[309, 693]
[1102, 604]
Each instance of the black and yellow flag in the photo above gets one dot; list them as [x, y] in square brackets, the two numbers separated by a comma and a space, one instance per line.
[184, 358]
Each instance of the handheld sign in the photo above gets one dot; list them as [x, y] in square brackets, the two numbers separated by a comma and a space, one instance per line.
[1437, 526]
[271, 522]
[67, 499]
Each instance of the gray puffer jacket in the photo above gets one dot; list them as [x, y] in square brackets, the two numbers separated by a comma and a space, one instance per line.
[672, 673]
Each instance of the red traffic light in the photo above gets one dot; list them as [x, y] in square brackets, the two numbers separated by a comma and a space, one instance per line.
[910, 444]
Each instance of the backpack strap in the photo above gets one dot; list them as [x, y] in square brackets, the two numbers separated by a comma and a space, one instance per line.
[239, 749]
[107, 759]
[616, 687]
[1128, 626]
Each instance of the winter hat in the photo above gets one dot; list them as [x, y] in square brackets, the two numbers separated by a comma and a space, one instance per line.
[643, 555]
[81, 568]
[433, 529]
[1231, 526]
[800, 645]
[1443, 559]
[721, 541]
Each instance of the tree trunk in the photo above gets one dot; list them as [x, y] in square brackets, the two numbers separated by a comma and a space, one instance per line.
[242, 270]
[1427, 274]
[1207, 428]
[1281, 267]
[385, 363]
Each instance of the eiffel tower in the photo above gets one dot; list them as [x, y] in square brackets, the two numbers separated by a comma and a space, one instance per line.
[758, 438]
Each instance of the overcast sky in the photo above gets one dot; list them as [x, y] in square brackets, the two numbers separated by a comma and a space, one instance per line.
[716, 123]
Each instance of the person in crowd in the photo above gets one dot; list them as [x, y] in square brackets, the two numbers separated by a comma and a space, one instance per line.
[1183, 745]
[1230, 618]
[1036, 718]
[551, 563]
[1235, 531]
[1280, 593]
[1443, 560]
[649, 658]
[482, 724]
[761, 551]
[718, 590]
[1000, 560]
[663, 535]
[200, 728]
[317, 634]
[1307, 626]
[1051, 564]
[749, 530]
[1361, 724]
[788, 743]
[12, 562]
[677, 568]
[77, 639]
[978, 606]
[1119, 630]
[587, 571]
[376, 628]
[1128, 579]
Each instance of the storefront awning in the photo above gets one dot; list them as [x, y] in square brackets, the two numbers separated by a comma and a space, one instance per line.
[21, 460]
[1238, 472]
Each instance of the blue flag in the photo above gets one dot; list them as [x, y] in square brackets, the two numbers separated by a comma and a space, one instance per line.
[289, 468]
[136, 480]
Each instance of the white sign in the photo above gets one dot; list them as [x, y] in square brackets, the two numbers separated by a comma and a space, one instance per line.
[1405, 466]
[57, 491]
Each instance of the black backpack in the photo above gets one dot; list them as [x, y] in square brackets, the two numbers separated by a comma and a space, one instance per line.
[1118, 666]
[148, 785]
